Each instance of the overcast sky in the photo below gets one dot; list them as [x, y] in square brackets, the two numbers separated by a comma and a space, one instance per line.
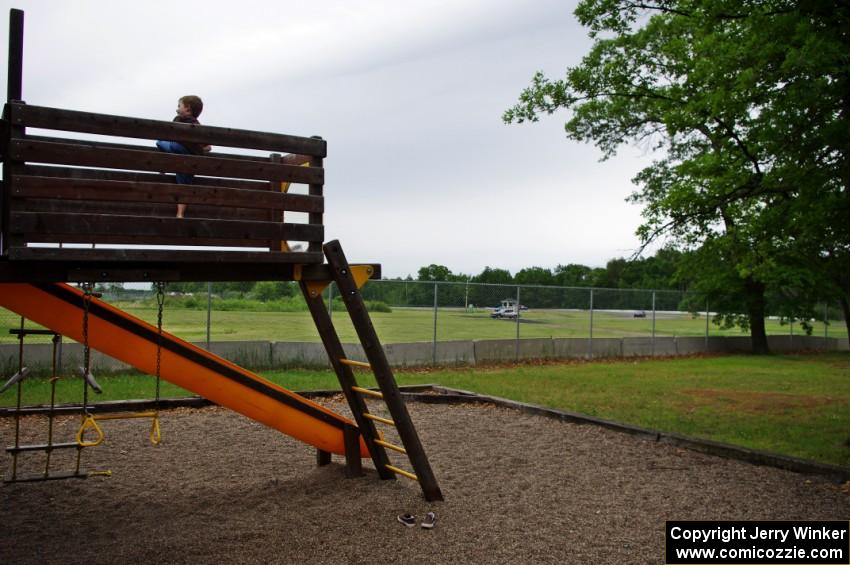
[409, 96]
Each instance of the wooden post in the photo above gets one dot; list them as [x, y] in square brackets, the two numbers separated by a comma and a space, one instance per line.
[353, 465]
[16, 55]
[315, 189]
[14, 92]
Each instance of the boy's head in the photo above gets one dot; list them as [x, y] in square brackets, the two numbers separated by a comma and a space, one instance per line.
[192, 103]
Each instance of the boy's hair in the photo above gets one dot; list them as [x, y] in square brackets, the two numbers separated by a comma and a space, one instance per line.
[194, 103]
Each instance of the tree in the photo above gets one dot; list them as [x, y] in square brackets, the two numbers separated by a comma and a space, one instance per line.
[265, 291]
[573, 275]
[434, 273]
[713, 88]
[494, 276]
[534, 275]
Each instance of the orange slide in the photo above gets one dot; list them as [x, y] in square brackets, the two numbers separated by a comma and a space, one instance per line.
[60, 308]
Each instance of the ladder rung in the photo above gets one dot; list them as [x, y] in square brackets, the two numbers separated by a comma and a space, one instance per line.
[354, 363]
[51, 477]
[391, 446]
[402, 472]
[378, 419]
[42, 447]
[362, 390]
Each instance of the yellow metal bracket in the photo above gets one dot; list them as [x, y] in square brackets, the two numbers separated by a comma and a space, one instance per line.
[361, 274]
[315, 288]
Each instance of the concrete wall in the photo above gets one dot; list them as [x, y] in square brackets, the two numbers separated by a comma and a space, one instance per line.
[264, 354]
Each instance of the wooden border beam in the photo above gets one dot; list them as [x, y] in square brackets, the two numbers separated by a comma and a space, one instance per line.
[121, 126]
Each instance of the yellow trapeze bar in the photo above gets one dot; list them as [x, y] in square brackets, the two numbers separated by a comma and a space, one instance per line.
[126, 416]
[90, 423]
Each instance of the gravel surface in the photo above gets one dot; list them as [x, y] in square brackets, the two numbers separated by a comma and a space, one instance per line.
[518, 488]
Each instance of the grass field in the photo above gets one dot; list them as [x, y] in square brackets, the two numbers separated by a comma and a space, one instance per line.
[797, 405]
[415, 325]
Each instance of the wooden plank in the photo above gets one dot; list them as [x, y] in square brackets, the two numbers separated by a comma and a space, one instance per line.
[291, 159]
[130, 191]
[144, 160]
[107, 208]
[104, 124]
[93, 225]
[170, 256]
[111, 270]
[136, 176]
[138, 209]
[125, 239]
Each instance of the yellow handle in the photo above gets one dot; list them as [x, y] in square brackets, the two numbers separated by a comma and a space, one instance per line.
[156, 434]
[89, 423]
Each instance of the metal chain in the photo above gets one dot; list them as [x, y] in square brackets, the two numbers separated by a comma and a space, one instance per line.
[87, 294]
[160, 301]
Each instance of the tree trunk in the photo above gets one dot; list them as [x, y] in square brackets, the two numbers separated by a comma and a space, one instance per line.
[845, 307]
[755, 310]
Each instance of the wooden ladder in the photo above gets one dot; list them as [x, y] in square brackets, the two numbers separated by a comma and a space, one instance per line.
[349, 284]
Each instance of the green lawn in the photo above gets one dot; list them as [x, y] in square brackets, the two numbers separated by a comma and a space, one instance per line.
[414, 324]
[797, 405]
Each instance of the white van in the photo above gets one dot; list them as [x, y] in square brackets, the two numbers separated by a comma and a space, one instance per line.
[507, 309]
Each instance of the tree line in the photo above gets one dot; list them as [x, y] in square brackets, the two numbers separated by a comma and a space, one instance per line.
[542, 287]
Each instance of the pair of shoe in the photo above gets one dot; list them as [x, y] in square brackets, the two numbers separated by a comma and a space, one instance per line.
[409, 520]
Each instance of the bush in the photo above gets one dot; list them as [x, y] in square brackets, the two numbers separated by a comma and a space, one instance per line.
[371, 305]
[232, 302]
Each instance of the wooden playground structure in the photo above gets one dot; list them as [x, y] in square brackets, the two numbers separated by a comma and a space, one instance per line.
[86, 211]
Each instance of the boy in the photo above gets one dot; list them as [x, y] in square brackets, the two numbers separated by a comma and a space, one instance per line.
[188, 109]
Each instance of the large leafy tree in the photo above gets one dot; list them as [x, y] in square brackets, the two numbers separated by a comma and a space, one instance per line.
[716, 89]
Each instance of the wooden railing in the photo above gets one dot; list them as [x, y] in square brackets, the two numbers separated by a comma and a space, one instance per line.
[59, 190]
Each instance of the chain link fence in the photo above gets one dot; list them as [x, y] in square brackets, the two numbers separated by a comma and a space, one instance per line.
[415, 311]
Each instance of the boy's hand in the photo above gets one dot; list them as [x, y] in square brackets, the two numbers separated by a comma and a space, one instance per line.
[207, 148]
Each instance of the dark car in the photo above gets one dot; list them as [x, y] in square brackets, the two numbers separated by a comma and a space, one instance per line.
[639, 314]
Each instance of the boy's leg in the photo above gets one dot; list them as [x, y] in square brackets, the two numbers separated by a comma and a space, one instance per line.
[172, 147]
[181, 178]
